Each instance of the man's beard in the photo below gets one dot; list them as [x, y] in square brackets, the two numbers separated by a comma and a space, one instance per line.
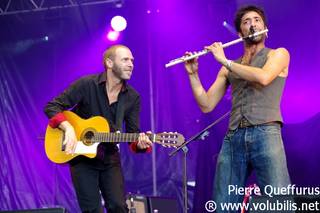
[117, 71]
[254, 40]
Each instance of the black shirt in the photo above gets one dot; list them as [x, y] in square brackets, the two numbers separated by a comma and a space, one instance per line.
[87, 97]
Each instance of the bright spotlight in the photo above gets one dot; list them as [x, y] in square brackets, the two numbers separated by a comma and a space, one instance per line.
[229, 27]
[113, 35]
[118, 23]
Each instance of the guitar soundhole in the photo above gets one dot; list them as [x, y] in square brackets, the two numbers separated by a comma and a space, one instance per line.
[88, 138]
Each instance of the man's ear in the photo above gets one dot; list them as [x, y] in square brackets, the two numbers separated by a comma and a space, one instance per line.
[109, 63]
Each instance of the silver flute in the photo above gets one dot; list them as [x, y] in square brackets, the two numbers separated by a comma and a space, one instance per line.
[205, 51]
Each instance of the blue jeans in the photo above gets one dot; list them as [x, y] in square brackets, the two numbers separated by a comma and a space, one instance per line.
[258, 148]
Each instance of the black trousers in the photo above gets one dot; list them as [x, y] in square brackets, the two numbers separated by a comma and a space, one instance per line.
[92, 176]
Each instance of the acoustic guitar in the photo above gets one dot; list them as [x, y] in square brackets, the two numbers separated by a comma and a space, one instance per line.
[90, 132]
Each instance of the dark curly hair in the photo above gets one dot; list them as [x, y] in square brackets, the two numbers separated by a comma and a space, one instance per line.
[242, 11]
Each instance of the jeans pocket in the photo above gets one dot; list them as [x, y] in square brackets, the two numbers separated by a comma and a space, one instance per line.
[269, 128]
[229, 135]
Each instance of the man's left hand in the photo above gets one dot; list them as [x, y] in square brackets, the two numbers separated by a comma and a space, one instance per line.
[144, 141]
[218, 52]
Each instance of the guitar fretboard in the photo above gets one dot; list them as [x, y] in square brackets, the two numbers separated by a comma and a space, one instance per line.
[117, 137]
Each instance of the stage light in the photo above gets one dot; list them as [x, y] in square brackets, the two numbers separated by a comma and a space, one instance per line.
[229, 27]
[118, 23]
[113, 35]
[118, 4]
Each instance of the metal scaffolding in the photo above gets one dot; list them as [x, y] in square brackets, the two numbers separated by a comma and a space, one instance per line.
[8, 7]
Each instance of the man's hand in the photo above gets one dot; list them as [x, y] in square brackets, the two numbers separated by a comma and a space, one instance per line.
[144, 141]
[191, 65]
[70, 139]
[217, 51]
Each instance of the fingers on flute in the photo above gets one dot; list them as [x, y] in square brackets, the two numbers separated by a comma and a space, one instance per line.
[208, 47]
[215, 44]
[187, 53]
[190, 54]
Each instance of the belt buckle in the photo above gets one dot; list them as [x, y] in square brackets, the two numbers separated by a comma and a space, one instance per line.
[244, 123]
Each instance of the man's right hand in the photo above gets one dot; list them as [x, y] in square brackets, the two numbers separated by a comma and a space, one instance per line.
[70, 139]
[191, 65]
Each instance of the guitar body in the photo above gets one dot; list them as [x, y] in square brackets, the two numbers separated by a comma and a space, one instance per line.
[54, 137]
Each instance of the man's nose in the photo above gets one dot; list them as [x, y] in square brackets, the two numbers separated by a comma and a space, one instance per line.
[254, 23]
[130, 64]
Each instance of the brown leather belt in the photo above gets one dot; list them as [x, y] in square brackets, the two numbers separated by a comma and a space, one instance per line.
[245, 123]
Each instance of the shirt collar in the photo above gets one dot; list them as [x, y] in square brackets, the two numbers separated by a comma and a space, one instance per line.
[103, 79]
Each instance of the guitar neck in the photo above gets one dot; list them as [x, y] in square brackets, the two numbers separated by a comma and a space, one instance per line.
[118, 137]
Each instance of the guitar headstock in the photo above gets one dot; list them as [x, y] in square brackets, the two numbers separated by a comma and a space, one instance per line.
[169, 139]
